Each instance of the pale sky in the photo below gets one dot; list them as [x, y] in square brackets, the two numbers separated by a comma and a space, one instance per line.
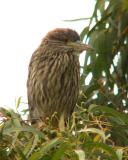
[23, 23]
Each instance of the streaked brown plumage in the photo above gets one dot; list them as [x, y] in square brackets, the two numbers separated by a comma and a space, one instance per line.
[53, 79]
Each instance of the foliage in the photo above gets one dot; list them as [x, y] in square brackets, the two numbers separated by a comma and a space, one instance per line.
[98, 129]
[90, 134]
[108, 67]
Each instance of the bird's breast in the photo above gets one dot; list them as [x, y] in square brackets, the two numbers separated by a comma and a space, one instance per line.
[54, 83]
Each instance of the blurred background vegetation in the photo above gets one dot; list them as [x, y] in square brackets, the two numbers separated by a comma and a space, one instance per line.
[108, 68]
[98, 129]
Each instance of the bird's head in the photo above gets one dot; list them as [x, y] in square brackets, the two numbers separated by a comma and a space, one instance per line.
[66, 39]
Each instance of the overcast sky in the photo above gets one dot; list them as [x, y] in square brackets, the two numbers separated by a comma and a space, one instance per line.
[23, 23]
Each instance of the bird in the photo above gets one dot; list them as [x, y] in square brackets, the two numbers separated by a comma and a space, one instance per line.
[54, 76]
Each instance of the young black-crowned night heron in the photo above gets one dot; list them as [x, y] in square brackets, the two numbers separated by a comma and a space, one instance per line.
[53, 79]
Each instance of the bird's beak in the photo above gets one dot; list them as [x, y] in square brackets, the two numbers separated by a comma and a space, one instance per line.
[80, 46]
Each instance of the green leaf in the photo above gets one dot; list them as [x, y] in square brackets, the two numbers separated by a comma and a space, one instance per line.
[18, 102]
[34, 143]
[94, 130]
[60, 151]
[11, 130]
[119, 153]
[80, 153]
[122, 117]
[103, 148]
[45, 148]
[78, 19]
[28, 146]
[83, 33]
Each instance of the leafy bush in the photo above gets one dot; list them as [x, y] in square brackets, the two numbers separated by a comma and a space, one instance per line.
[97, 133]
